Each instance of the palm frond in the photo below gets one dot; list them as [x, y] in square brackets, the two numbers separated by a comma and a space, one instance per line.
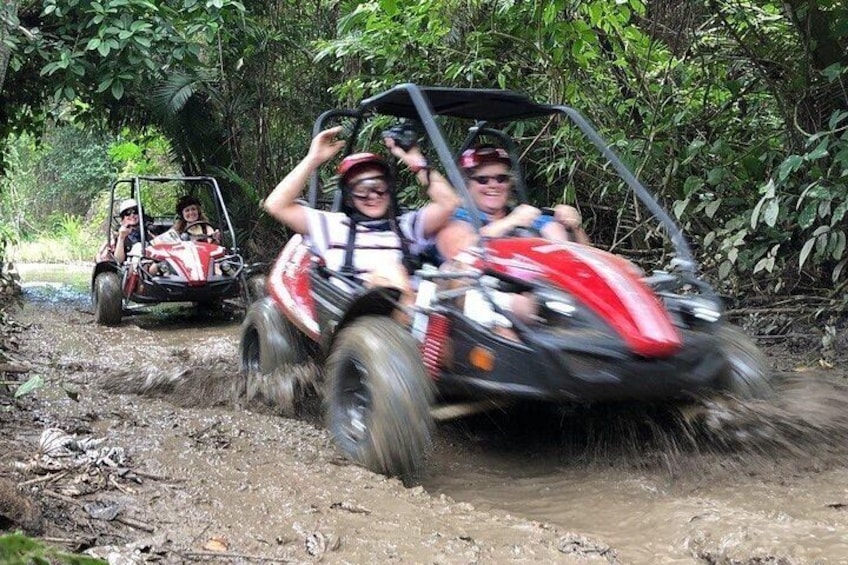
[172, 94]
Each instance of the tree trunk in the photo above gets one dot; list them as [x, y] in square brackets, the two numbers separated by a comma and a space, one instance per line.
[824, 45]
[8, 13]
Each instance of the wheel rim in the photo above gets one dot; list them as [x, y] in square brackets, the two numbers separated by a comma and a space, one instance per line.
[355, 400]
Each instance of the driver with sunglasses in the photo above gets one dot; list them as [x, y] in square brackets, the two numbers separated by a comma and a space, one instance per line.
[369, 238]
[489, 173]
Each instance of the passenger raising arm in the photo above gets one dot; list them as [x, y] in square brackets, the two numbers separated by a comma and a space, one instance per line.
[383, 237]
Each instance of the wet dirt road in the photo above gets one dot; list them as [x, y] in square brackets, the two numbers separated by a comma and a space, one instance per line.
[725, 483]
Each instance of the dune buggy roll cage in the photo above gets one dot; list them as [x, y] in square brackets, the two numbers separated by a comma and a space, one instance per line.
[135, 192]
[484, 106]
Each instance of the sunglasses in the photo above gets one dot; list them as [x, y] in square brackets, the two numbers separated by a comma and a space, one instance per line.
[132, 212]
[484, 179]
[491, 153]
[364, 188]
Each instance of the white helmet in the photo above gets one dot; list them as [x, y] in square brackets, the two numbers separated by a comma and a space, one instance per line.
[126, 205]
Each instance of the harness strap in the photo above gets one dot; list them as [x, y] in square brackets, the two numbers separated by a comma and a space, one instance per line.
[347, 267]
[407, 260]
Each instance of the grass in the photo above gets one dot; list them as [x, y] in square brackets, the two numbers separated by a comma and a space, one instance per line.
[69, 241]
[19, 549]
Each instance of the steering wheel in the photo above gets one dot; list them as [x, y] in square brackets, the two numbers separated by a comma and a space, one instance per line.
[185, 236]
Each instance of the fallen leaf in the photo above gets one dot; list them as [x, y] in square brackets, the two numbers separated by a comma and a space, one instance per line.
[216, 543]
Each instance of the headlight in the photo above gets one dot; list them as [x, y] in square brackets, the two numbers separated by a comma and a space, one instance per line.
[230, 265]
[557, 301]
[693, 309]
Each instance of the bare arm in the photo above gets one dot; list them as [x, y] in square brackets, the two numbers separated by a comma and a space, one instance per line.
[443, 203]
[281, 202]
[457, 236]
[120, 252]
[571, 220]
[522, 217]
[443, 199]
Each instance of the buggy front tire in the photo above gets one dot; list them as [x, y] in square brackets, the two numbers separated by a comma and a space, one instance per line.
[107, 299]
[271, 351]
[378, 396]
[745, 375]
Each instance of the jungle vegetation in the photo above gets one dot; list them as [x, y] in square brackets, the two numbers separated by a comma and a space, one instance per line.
[734, 111]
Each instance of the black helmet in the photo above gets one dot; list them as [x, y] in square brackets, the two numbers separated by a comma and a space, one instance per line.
[185, 202]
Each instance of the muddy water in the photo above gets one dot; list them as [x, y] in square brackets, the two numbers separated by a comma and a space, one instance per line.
[725, 483]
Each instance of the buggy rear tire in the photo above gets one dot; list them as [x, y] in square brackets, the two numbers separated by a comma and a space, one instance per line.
[746, 374]
[378, 396]
[107, 299]
[271, 349]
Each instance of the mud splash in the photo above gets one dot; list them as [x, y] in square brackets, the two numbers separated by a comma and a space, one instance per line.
[719, 481]
[806, 422]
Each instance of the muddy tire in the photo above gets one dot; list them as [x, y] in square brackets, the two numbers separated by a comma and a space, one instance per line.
[256, 288]
[273, 354]
[107, 299]
[377, 398]
[746, 374]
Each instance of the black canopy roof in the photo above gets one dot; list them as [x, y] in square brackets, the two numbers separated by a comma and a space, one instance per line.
[472, 103]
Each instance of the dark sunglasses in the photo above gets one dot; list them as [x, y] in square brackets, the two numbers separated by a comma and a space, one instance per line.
[484, 179]
[364, 188]
[487, 153]
[131, 212]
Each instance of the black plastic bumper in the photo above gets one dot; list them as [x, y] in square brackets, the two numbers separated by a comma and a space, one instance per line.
[580, 366]
[164, 289]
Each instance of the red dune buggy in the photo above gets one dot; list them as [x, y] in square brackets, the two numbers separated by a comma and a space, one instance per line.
[164, 266]
[605, 330]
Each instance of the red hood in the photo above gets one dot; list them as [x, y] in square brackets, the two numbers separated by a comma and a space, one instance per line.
[605, 283]
[191, 258]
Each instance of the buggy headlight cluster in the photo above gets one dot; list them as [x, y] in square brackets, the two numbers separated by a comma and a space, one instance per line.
[557, 301]
[692, 309]
[230, 265]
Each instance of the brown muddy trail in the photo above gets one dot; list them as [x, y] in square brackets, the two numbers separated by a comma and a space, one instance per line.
[220, 479]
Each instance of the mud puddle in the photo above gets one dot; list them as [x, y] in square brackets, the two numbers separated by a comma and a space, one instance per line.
[725, 483]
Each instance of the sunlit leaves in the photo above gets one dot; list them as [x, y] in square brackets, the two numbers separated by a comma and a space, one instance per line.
[89, 45]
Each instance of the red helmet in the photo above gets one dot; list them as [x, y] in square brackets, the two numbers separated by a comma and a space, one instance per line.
[357, 160]
[472, 158]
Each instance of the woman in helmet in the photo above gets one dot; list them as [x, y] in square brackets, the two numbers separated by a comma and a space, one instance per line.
[189, 212]
[126, 237]
[368, 239]
[490, 182]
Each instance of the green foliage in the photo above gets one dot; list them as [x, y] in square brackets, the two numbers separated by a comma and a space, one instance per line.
[18, 549]
[93, 51]
[720, 107]
[808, 198]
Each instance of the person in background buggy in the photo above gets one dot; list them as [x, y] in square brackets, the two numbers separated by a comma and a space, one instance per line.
[369, 238]
[127, 236]
[191, 222]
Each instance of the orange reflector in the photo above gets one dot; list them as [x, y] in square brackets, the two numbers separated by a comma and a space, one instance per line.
[481, 358]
